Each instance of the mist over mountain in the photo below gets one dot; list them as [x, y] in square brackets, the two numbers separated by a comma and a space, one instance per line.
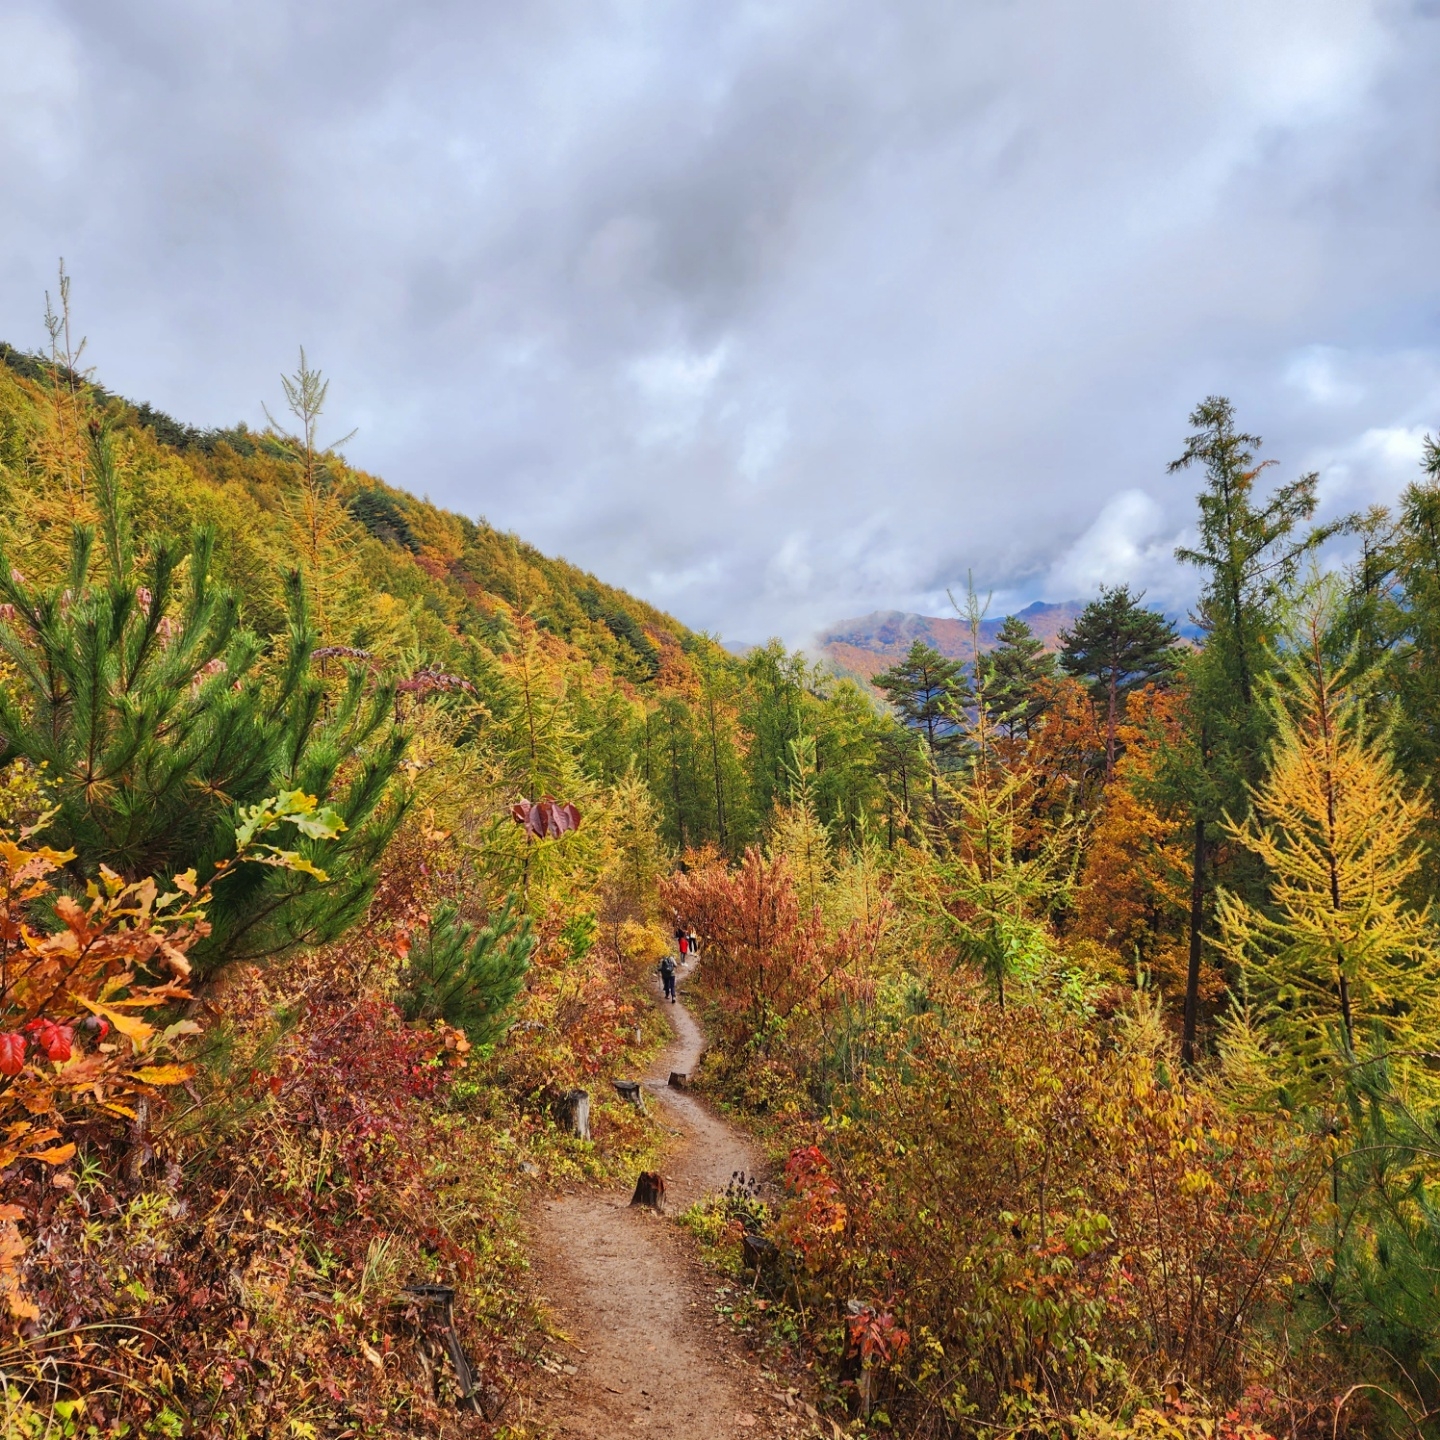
[870, 643]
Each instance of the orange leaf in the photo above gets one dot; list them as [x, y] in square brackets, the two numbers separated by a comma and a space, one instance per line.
[58, 1156]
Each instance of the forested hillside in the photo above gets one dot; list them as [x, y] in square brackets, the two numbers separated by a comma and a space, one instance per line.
[1086, 997]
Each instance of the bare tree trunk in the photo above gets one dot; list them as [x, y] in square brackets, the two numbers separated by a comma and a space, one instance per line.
[1111, 703]
[573, 1112]
[1197, 920]
[650, 1190]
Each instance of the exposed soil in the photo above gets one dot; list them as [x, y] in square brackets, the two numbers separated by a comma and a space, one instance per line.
[648, 1355]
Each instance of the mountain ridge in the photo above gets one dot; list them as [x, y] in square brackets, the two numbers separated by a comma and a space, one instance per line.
[867, 644]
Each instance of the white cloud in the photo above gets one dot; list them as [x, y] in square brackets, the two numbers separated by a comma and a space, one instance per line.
[1321, 375]
[1130, 543]
[772, 312]
[1374, 469]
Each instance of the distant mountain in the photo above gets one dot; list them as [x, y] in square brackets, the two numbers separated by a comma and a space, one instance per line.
[870, 644]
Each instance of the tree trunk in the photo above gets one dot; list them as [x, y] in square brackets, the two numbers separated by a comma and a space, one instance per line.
[573, 1112]
[649, 1190]
[1111, 702]
[1197, 918]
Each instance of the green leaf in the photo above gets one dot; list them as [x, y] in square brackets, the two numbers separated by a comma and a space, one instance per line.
[324, 824]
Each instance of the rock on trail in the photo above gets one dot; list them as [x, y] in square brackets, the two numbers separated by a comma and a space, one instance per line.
[647, 1355]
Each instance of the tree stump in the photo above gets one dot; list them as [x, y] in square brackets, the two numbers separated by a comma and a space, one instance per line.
[649, 1190]
[679, 1080]
[630, 1090]
[759, 1253]
[572, 1110]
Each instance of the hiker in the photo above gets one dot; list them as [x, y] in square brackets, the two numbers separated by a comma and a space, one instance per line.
[682, 942]
[667, 977]
[692, 943]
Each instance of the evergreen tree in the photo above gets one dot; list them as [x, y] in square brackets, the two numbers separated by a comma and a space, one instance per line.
[929, 693]
[152, 711]
[1417, 613]
[468, 975]
[1014, 671]
[1248, 551]
[1117, 645]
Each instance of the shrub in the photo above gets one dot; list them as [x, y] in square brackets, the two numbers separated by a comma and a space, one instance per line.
[468, 975]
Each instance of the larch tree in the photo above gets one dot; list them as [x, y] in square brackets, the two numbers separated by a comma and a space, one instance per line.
[1117, 645]
[1337, 964]
[319, 524]
[1248, 550]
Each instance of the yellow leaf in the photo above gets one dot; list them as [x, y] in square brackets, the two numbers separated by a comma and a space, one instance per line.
[185, 882]
[11, 1212]
[137, 1032]
[163, 1074]
[58, 1156]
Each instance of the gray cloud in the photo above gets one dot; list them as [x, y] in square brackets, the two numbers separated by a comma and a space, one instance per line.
[770, 312]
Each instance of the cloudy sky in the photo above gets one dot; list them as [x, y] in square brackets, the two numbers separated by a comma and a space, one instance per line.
[773, 313]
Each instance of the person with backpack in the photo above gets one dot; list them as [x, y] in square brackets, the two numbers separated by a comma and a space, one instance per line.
[667, 977]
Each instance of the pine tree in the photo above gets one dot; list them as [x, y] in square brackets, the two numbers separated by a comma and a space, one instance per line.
[1014, 674]
[153, 713]
[929, 693]
[468, 975]
[1337, 962]
[1117, 645]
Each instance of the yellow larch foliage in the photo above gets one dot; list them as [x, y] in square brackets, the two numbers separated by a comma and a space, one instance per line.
[1339, 963]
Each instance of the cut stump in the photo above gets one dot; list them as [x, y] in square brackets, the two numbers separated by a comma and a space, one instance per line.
[572, 1110]
[759, 1252]
[649, 1190]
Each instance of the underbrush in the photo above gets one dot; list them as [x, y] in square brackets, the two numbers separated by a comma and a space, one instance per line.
[1020, 1221]
[241, 1266]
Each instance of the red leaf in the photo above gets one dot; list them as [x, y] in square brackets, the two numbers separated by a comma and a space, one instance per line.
[56, 1040]
[12, 1053]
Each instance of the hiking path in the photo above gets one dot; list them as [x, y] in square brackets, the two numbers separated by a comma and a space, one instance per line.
[647, 1353]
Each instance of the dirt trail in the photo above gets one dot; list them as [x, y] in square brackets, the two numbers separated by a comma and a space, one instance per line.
[648, 1357]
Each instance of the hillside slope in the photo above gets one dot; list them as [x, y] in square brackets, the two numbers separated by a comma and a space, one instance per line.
[431, 578]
